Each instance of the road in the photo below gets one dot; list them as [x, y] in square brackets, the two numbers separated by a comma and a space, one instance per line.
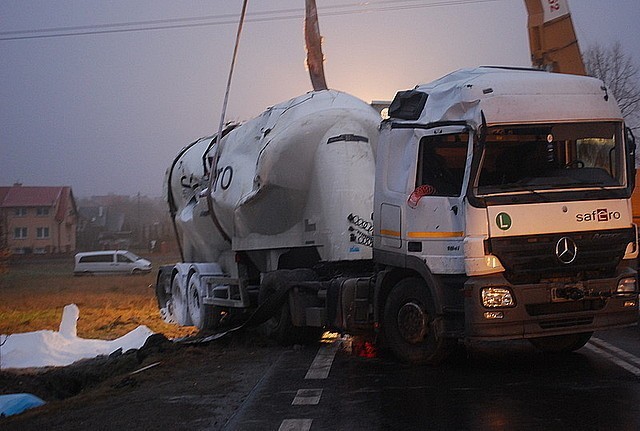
[491, 386]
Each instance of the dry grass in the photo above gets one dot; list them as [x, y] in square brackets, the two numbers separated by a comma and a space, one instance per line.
[33, 294]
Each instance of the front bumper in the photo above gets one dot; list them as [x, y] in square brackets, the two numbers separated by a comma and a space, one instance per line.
[539, 311]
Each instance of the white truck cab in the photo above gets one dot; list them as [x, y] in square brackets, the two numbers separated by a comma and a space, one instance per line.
[508, 190]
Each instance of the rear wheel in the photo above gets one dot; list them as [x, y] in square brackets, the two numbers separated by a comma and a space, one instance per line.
[179, 302]
[409, 324]
[203, 316]
[561, 343]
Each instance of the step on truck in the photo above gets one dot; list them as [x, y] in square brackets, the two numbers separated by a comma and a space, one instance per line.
[492, 204]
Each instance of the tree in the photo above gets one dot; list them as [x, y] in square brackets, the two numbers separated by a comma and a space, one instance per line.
[621, 75]
[5, 253]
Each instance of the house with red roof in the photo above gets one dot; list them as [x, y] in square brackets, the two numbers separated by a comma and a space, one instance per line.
[37, 219]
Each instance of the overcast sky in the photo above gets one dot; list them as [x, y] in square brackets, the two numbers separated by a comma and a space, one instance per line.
[108, 112]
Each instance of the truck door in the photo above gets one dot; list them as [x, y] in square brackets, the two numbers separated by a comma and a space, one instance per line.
[434, 219]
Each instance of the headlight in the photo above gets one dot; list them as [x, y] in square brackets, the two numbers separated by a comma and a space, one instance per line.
[626, 285]
[496, 297]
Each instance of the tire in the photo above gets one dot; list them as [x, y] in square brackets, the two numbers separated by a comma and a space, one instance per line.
[408, 324]
[179, 307]
[561, 343]
[166, 312]
[203, 316]
[280, 327]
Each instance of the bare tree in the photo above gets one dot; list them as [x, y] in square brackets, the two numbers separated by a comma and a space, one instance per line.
[621, 75]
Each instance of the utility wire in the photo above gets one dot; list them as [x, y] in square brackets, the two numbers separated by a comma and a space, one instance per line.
[226, 19]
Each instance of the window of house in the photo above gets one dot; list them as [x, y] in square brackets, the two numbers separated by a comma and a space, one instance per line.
[20, 233]
[20, 212]
[42, 211]
[42, 232]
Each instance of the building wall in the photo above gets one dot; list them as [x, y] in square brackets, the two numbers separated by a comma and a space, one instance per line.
[54, 237]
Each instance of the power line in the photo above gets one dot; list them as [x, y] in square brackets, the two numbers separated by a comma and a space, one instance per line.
[226, 19]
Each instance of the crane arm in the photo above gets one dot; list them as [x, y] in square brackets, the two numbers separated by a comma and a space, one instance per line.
[552, 38]
[313, 42]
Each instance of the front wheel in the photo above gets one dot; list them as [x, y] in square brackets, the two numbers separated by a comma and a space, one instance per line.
[561, 343]
[409, 324]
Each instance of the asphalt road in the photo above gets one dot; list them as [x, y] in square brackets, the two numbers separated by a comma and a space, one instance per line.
[490, 386]
[243, 383]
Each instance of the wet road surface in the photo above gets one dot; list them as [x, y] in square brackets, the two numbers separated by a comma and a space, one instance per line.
[488, 386]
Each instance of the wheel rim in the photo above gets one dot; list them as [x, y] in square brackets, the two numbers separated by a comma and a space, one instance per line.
[179, 303]
[194, 301]
[412, 323]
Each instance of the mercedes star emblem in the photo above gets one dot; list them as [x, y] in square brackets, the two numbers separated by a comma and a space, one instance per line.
[566, 250]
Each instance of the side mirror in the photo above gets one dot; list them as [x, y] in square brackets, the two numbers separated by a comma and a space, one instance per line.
[631, 157]
[631, 139]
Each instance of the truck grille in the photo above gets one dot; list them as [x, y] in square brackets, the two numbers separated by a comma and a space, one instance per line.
[531, 258]
[566, 323]
[565, 307]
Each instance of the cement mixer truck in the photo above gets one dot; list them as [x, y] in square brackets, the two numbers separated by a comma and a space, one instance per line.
[493, 204]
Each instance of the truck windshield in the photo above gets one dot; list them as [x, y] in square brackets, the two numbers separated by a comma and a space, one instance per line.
[533, 158]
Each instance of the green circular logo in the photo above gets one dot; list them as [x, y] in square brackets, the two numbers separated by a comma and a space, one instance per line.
[503, 220]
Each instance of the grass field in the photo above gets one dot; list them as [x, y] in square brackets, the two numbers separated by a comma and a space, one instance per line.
[34, 292]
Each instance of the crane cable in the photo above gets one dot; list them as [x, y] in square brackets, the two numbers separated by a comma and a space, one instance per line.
[213, 174]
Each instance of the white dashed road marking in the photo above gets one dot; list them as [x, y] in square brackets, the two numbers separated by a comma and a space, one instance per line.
[307, 397]
[319, 369]
[618, 356]
[322, 363]
[295, 425]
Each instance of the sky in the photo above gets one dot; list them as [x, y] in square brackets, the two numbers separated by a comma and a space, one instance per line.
[107, 111]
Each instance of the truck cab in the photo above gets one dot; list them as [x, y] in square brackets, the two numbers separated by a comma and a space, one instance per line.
[506, 193]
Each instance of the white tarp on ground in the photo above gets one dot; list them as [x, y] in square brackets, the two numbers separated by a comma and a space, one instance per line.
[51, 348]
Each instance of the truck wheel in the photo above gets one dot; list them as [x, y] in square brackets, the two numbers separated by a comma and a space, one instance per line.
[203, 316]
[409, 329]
[279, 327]
[179, 303]
[166, 312]
[561, 343]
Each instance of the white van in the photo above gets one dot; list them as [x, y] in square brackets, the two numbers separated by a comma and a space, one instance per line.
[110, 262]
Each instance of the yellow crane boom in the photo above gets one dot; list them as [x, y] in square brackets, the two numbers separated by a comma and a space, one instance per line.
[552, 38]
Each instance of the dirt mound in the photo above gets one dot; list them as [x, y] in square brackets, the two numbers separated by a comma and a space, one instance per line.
[161, 385]
[59, 383]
